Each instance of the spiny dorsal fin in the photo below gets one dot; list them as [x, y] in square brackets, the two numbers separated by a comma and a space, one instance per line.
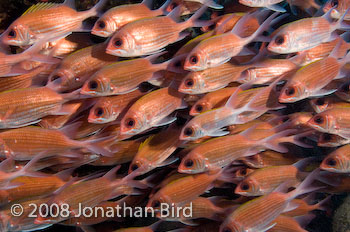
[40, 6]
[146, 142]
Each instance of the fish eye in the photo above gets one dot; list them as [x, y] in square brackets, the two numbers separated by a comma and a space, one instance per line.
[99, 111]
[226, 229]
[318, 119]
[193, 59]
[189, 82]
[156, 204]
[327, 137]
[243, 172]
[331, 162]
[320, 102]
[134, 167]
[101, 24]
[290, 91]
[279, 40]
[93, 85]
[188, 163]
[130, 123]
[346, 88]
[12, 34]
[199, 108]
[188, 131]
[245, 186]
[118, 43]
[334, 3]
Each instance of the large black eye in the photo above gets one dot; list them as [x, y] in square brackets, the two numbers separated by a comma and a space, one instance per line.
[199, 108]
[327, 137]
[331, 162]
[99, 111]
[245, 186]
[243, 172]
[334, 3]
[193, 59]
[118, 43]
[12, 34]
[93, 85]
[226, 229]
[318, 120]
[130, 123]
[101, 24]
[188, 131]
[134, 167]
[189, 82]
[189, 163]
[320, 102]
[279, 40]
[156, 204]
[290, 91]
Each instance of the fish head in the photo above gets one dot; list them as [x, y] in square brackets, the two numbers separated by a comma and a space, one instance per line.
[200, 107]
[242, 172]
[61, 78]
[104, 27]
[139, 165]
[292, 92]
[191, 131]
[197, 60]
[330, 140]
[17, 35]
[103, 112]
[247, 75]
[157, 200]
[335, 162]
[248, 2]
[334, 12]
[320, 104]
[248, 187]
[193, 83]
[132, 123]
[193, 163]
[282, 43]
[122, 44]
[255, 161]
[98, 86]
[323, 122]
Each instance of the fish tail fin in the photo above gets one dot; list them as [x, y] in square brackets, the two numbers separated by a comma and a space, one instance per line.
[95, 11]
[263, 27]
[172, 65]
[324, 204]
[297, 139]
[232, 101]
[193, 20]
[148, 3]
[340, 23]
[163, 9]
[98, 147]
[305, 186]
[273, 142]
[304, 220]
[29, 168]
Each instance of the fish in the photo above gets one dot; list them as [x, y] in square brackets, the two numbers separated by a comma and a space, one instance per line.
[305, 206]
[258, 214]
[269, 158]
[295, 36]
[212, 100]
[151, 110]
[150, 35]
[337, 8]
[211, 79]
[22, 107]
[325, 103]
[47, 21]
[265, 180]
[117, 17]
[156, 151]
[331, 140]
[242, 173]
[337, 161]
[123, 77]
[219, 49]
[220, 152]
[184, 189]
[77, 67]
[310, 80]
[333, 121]
[108, 109]
[26, 142]
[123, 152]
[242, 107]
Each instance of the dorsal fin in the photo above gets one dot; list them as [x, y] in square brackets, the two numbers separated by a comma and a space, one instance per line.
[40, 6]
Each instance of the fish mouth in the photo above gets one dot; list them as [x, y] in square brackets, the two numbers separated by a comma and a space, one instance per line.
[100, 33]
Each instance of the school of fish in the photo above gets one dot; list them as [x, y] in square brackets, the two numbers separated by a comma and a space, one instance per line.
[237, 109]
